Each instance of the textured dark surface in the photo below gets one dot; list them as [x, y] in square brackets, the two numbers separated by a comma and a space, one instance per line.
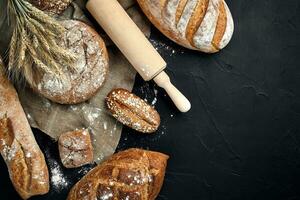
[241, 140]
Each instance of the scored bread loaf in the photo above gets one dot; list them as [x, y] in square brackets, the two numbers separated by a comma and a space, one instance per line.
[25, 161]
[204, 25]
[132, 111]
[131, 174]
[86, 76]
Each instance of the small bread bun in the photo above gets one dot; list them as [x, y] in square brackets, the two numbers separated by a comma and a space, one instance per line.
[203, 25]
[90, 69]
[75, 148]
[132, 111]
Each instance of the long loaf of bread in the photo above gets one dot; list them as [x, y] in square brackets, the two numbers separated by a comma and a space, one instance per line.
[204, 25]
[25, 161]
[133, 174]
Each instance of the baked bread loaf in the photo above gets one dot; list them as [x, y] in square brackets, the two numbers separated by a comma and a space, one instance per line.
[53, 6]
[75, 148]
[89, 71]
[132, 111]
[25, 161]
[133, 174]
[204, 25]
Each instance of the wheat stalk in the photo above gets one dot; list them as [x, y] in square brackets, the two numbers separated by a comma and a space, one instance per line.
[34, 43]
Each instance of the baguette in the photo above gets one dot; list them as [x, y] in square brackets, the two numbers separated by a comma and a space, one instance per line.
[25, 161]
[131, 174]
[203, 25]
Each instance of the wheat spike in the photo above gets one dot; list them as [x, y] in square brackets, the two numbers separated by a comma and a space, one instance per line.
[34, 46]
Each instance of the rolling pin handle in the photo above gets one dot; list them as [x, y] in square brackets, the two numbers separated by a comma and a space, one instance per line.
[181, 102]
[135, 46]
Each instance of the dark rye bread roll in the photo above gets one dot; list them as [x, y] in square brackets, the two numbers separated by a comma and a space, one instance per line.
[134, 174]
[90, 69]
[53, 6]
[132, 111]
[24, 159]
[204, 25]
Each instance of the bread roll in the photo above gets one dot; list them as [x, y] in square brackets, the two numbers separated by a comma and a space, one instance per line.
[53, 6]
[133, 174]
[25, 161]
[132, 111]
[75, 148]
[204, 25]
[90, 70]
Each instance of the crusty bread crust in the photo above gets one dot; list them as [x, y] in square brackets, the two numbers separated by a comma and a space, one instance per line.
[75, 148]
[25, 161]
[132, 111]
[130, 174]
[90, 72]
[203, 25]
[221, 26]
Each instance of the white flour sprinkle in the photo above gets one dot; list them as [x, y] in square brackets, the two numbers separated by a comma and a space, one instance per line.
[90, 68]
[154, 101]
[58, 180]
[28, 155]
[162, 47]
[29, 117]
[84, 170]
[105, 125]
[91, 114]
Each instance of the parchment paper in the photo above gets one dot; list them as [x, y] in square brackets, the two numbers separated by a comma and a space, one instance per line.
[55, 119]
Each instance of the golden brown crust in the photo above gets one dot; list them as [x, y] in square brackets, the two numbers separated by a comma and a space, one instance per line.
[132, 111]
[158, 24]
[221, 26]
[195, 20]
[179, 11]
[193, 33]
[6, 133]
[19, 165]
[75, 148]
[132, 174]
[53, 6]
[25, 161]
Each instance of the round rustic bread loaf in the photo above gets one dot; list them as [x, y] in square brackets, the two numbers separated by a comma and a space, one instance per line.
[89, 71]
[53, 6]
[204, 25]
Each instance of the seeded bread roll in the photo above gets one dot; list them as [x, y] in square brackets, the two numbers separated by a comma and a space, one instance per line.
[132, 111]
[134, 174]
[24, 159]
[203, 25]
[53, 6]
[90, 70]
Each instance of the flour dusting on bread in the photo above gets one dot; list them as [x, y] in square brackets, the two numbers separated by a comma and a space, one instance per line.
[192, 23]
[88, 73]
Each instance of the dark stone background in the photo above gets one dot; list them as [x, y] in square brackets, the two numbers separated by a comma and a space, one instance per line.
[241, 139]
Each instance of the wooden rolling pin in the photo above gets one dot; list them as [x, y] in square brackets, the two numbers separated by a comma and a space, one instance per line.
[135, 46]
